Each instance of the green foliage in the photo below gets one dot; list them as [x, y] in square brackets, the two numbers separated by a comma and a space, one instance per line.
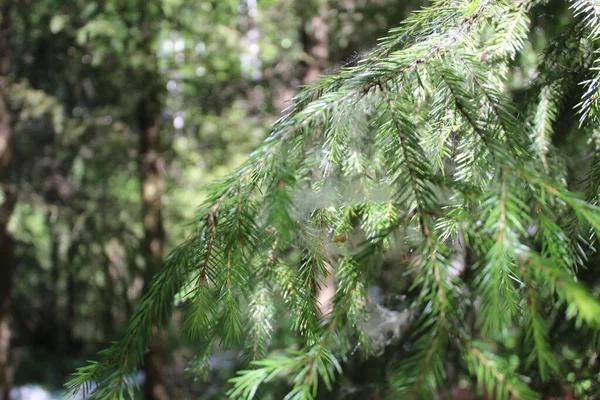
[428, 117]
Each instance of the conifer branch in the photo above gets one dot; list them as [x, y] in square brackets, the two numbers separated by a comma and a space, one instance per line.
[406, 153]
[545, 116]
[440, 97]
[589, 11]
[494, 375]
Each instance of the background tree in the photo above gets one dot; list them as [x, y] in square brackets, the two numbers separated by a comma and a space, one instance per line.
[6, 208]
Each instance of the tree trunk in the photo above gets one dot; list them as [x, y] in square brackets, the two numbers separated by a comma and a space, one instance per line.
[151, 165]
[316, 43]
[69, 324]
[6, 209]
[6, 276]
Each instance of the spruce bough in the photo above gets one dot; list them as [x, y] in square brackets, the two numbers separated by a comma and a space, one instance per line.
[420, 146]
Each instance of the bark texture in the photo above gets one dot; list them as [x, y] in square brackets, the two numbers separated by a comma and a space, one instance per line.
[316, 44]
[6, 277]
[151, 166]
[6, 208]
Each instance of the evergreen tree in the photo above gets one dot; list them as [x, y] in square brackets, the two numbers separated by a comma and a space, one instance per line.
[421, 150]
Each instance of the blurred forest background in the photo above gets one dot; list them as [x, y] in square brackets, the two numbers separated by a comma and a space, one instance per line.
[114, 114]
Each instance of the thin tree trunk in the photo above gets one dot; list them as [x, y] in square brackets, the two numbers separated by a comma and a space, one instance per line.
[316, 43]
[54, 321]
[6, 209]
[69, 324]
[55, 317]
[109, 284]
[151, 165]
[6, 276]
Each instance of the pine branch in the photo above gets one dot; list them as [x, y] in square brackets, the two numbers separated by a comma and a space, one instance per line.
[511, 32]
[589, 11]
[494, 374]
[416, 162]
[536, 332]
[544, 118]
[119, 360]
[454, 158]
[419, 375]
